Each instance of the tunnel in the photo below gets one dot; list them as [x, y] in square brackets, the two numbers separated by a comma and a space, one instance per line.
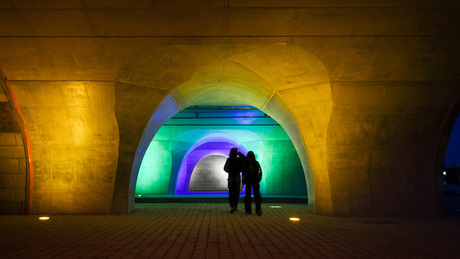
[366, 94]
[188, 153]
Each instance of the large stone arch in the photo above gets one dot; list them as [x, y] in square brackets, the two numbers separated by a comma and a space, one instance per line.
[287, 82]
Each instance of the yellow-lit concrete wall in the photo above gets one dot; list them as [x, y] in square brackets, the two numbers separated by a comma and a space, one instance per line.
[74, 138]
[363, 88]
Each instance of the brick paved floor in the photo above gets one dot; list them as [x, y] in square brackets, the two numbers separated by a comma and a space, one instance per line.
[208, 230]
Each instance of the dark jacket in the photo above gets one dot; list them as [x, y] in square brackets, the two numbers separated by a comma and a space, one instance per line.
[252, 173]
[233, 166]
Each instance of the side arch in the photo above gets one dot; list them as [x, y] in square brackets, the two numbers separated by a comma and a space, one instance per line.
[16, 168]
[181, 186]
[442, 150]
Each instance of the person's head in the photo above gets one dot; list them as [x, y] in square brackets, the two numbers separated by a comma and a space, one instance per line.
[233, 152]
[251, 156]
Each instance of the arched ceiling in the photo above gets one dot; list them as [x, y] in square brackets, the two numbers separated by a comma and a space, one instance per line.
[207, 85]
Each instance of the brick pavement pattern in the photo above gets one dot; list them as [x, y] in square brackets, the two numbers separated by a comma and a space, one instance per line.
[208, 230]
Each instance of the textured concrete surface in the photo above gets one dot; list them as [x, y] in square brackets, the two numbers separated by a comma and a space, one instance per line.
[197, 230]
[366, 91]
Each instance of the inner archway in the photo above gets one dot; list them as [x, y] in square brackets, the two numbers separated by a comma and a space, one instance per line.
[207, 159]
[196, 133]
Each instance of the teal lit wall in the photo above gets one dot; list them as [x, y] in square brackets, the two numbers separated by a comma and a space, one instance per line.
[155, 170]
[177, 147]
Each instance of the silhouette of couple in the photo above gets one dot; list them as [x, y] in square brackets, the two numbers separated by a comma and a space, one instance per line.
[252, 174]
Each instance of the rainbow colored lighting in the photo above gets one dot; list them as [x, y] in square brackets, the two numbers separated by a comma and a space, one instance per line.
[188, 142]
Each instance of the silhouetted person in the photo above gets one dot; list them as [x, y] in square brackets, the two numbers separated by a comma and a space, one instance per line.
[252, 174]
[233, 167]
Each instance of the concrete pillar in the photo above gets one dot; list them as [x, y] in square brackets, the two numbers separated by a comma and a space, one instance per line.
[74, 138]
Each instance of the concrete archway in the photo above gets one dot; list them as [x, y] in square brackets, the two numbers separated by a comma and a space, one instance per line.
[179, 179]
[288, 83]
